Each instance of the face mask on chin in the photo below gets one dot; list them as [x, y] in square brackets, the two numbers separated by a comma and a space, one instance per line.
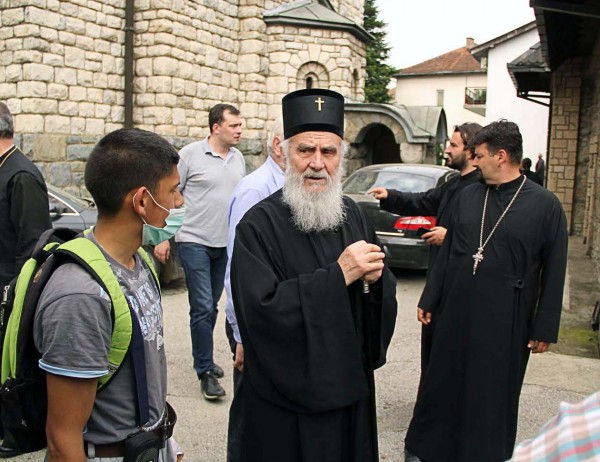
[153, 235]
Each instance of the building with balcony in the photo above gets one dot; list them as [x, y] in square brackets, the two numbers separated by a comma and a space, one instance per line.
[472, 83]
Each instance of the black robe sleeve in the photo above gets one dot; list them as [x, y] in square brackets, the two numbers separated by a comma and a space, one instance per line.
[383, 306]
[29, 214]
[432, 293]
[404, 203]
[554, 263]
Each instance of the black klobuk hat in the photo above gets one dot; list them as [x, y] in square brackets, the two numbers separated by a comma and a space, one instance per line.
[313, 109]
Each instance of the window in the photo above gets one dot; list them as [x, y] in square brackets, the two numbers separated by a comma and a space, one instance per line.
[312, 75]
[355, 84]
[440, 98]
[475, 96]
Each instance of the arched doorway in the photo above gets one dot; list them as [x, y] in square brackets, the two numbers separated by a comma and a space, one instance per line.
[380, 144]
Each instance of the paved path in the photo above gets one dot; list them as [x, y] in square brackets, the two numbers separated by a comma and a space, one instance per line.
[202, 426]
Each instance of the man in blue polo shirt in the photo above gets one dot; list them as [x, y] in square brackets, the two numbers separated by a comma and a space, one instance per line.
[209, 171]
[261, 183]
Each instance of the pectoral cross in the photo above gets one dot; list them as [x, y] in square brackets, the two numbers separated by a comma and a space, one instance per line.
[478, 257]
[319, 101]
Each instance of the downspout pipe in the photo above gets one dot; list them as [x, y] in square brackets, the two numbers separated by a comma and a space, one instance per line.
[129, 62]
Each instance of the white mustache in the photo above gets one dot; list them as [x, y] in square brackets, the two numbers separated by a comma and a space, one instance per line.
[310, 173]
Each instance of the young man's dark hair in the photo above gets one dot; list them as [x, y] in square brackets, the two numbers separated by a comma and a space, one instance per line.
[7, 128]
[467, 131]
[215, 115]
[126, 150]
[501, 135]
[526, 164]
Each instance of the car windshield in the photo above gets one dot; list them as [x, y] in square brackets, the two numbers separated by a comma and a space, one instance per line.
[361, 182]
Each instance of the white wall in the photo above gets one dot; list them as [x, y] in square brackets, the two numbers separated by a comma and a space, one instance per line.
[502, 101]
[422, 91]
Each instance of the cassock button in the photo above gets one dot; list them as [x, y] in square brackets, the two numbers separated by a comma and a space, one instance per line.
[519, 283]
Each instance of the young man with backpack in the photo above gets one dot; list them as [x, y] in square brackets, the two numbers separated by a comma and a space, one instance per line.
[132, 176]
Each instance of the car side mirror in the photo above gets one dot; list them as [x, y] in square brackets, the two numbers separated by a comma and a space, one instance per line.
[56, 211]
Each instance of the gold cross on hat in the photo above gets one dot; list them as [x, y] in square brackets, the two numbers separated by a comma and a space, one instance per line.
[319, 101]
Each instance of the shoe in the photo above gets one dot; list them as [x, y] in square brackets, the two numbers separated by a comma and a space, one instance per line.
[210, 386]
[218, 371]
[6, 453]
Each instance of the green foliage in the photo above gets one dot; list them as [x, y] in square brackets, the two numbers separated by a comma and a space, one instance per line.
[378, 72]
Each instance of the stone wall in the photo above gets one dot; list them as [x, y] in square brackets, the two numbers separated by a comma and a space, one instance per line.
[563, 145]
[289, 48]
[586, 115]
[62, 67]
[591, 228]
[352, 9]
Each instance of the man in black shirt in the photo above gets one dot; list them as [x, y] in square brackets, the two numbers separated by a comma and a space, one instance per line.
[436, 201]
[23, 203]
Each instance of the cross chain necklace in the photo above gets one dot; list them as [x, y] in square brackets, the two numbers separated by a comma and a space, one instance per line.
[478, 257]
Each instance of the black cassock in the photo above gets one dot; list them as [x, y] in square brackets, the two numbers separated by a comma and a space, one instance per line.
[310, 342]
[439, 202]
[467, 406]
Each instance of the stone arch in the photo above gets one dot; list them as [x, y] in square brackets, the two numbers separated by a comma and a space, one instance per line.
[383, 133]
[312, 73]
[380, 143]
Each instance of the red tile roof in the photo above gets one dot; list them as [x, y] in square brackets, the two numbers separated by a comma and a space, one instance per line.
[456, 61]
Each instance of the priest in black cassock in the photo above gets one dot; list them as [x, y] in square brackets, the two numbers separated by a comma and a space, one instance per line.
[496, 292]
[315, 304]
[436, 201]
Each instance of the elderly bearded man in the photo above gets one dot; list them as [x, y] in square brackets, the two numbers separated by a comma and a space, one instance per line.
[315, 303]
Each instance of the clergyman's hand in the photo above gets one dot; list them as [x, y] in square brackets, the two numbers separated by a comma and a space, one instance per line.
[424, 317]
[238, 361]
[373, 276]
[537, 347]
[379, 193]
[436, 235]
[162, 251]
[360, 259]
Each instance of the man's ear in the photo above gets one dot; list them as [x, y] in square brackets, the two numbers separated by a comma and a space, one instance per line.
[139, 198]
[503, 156]
[277, 147]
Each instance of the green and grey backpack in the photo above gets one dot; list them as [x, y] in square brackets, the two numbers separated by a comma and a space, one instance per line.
[23, 395]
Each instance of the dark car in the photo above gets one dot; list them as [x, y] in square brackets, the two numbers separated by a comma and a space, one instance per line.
[69, 211]
[400, 235]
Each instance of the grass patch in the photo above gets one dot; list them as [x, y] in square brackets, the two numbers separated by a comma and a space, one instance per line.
[578, 341]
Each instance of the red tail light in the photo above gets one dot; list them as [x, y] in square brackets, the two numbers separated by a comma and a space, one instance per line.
[414, 223]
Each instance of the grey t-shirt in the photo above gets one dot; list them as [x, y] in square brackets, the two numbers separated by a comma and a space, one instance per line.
[73, 328]
[207, 182]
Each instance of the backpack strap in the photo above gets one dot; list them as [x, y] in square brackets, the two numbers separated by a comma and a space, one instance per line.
[24, 280]
[145, 257]
[127, 336]
[88, 255]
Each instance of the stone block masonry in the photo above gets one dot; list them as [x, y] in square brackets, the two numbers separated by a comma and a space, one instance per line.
[62, 69]
[563, 145]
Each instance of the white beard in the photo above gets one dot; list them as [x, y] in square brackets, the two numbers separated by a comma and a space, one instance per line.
[313, 209]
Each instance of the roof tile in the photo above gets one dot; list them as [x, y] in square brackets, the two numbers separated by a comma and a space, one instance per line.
[459, 60]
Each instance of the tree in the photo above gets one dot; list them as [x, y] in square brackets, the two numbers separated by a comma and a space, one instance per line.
[378, 72]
